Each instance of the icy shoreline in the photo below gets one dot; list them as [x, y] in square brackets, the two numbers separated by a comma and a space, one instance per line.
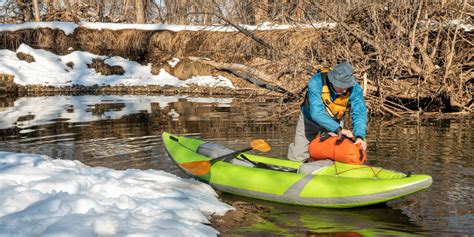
[44, 196]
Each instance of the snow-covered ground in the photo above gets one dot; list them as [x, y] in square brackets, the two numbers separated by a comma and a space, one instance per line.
[40, 196]
[69, 28]
[51, 69]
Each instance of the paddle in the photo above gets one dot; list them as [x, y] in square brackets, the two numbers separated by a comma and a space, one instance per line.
[203, 167]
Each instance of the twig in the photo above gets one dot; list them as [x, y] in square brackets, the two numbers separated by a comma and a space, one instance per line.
[415, 25]
[451, 50]
[390, 111]
[364, 85]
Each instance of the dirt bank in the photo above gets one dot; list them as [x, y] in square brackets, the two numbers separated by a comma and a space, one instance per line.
[405, 67]
[245, 214]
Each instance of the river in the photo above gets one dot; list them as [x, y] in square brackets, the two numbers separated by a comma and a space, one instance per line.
[124, 132]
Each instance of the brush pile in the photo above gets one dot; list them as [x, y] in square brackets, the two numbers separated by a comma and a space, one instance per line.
[413, 56]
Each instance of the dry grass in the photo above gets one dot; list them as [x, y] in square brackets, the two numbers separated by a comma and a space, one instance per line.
[131, 44]
[12, 40]
[25, 57]
[102, 68]
[292, 56]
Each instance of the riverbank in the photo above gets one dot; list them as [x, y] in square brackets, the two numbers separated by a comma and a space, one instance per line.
[258, 60]
[244, 214]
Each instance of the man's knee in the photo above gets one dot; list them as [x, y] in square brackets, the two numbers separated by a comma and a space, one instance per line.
[297, 153]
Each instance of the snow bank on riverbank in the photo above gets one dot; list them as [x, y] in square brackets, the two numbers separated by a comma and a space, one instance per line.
[52, 70]
[42, 196]
[69, 27]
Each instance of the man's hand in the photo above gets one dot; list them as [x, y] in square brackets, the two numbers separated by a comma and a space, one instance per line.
[362, 142]
[347, 133]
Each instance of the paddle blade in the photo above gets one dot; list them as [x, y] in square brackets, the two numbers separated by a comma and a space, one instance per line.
[197, 168]
[260, 145]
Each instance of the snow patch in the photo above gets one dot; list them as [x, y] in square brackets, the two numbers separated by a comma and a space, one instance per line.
[72, 69]
[41, 196]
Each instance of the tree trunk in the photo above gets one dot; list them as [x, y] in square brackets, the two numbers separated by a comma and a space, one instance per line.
[297, 11]
[260, 9]
[124, 11]
[37, 12]
[101, 7]
[140, 11]
[57, 4]
[451, 51]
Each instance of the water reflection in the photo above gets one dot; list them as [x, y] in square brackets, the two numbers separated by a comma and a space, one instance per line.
[31, 111]
[378, 220]
[124, 132]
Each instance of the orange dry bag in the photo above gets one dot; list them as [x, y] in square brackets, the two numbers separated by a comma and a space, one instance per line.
[339, 149]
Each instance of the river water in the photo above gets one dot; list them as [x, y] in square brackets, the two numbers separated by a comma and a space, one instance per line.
[123, 132]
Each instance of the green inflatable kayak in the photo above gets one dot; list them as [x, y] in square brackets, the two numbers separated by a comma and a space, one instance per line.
[322, 184]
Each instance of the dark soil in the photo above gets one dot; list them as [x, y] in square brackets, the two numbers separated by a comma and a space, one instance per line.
[245, 214]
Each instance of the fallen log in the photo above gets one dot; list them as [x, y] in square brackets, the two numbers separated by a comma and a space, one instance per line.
[250, 74]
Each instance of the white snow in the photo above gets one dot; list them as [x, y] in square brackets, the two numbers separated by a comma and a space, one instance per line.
[213, 81]
[465, 27]
[69, 28]
[173, 62]
[40, 196]
[51, 69]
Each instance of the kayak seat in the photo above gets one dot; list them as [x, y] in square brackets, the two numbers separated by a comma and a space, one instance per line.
[240, 162]
[213, 150]
[314, 167]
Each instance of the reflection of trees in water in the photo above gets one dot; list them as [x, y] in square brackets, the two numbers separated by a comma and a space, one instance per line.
[100, 109]
[440, 148]
[240, 118]
[108, 142]
[6, 102]
[26, 118]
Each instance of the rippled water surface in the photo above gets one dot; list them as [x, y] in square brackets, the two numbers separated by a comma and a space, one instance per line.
[123, 132]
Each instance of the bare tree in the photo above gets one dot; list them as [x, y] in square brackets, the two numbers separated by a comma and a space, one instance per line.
[260, 10]
[37, 12]
[140, 11]
[24, 8]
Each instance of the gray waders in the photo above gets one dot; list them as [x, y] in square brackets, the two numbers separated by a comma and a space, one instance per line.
[306, 131]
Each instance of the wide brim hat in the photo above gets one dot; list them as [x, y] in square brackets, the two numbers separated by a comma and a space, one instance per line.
[342, 75]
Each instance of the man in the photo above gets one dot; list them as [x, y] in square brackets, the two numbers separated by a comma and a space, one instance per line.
[329, 94]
